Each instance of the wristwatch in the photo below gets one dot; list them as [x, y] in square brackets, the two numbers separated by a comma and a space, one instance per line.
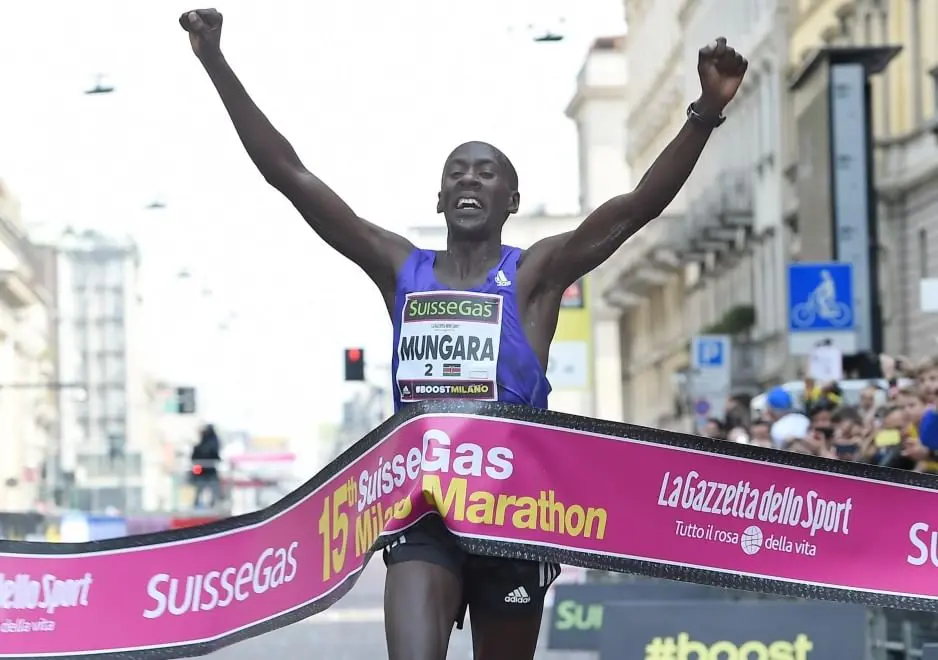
[698, 118]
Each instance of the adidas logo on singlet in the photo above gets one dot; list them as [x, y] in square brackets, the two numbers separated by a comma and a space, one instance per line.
[519, 595]
[501, 280]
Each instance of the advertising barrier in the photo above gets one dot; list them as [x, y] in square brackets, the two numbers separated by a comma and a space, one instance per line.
[741, 630]
[577, 616]
[25, 526]
[185, 522]
[509, 481]
[106, 527]
[148, 524]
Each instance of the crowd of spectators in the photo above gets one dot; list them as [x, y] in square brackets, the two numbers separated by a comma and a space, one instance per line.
[889, 421]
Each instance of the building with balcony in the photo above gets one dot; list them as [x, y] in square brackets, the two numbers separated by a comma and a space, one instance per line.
[599, 109]
[643, 279]
[897, 42]
[107, 429]
[714, 262]
[28, 410]
[736, 245]
[904, 107]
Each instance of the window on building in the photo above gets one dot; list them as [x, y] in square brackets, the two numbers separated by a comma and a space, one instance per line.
[115, 303]
[923, 253]
[885, 84]
[934, 87]
[915, 58]
[657, 309]
[765, 102]
[96, 465]
[134, 463]
[774, 112]
[94, 372]
[774, 298]
[868, 28]
[114, 340]
[135, 499]
[116, 427]
[746, 150]
[99, 435]
[117, 402]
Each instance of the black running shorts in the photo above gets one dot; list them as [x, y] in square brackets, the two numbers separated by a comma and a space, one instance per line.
[490, 584]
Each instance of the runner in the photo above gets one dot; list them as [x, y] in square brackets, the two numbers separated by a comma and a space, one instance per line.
[474, 321]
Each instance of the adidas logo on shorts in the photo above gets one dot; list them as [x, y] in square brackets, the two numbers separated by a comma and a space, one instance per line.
[519, 595]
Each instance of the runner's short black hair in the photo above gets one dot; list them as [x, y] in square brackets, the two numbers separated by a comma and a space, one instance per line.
[509, 168]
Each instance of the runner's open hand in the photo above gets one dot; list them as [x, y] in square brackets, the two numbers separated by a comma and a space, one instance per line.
[204, 28]
[721, 70]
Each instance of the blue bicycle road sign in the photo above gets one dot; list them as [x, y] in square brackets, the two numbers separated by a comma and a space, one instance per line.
[820, 297]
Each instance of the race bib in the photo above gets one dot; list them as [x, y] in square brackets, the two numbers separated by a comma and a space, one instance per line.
[448, 346]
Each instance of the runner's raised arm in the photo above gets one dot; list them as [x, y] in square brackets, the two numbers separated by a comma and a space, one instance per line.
[377, 251]
[560, 260]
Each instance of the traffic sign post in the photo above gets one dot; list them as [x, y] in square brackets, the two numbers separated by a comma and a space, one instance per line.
[710, 361]
[711, 377]
[821, 307]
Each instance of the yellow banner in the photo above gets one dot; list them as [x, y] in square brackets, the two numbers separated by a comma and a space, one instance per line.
[571, 353]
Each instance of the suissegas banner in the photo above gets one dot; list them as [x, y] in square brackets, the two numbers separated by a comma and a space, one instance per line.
[728, 630]
[507, 481]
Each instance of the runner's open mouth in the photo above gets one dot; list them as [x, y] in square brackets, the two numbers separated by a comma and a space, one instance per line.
[468, 203]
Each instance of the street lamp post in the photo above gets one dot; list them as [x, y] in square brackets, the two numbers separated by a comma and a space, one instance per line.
[100, 87]
[117, 443]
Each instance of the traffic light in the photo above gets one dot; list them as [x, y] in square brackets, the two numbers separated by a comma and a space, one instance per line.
[185, 400]
[354, 364]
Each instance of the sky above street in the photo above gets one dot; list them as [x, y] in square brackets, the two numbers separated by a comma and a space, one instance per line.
[373, 95]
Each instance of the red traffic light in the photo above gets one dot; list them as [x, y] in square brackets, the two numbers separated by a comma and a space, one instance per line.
[196, 470]
[354, 354]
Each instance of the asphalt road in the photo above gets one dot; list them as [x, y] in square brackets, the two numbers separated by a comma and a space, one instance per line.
[352, 629]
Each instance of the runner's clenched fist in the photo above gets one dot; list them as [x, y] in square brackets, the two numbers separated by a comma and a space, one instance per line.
[204, 28]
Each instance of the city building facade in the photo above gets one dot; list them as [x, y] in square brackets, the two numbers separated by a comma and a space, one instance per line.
[736, 247]
[905, 129]
[598, 108]
[716, 261]
[28, 410]
[107, 429]
[644, 278]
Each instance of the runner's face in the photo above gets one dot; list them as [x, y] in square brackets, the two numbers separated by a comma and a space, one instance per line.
[476, 195]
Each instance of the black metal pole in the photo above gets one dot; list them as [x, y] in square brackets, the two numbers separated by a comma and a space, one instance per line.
[876, 308]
